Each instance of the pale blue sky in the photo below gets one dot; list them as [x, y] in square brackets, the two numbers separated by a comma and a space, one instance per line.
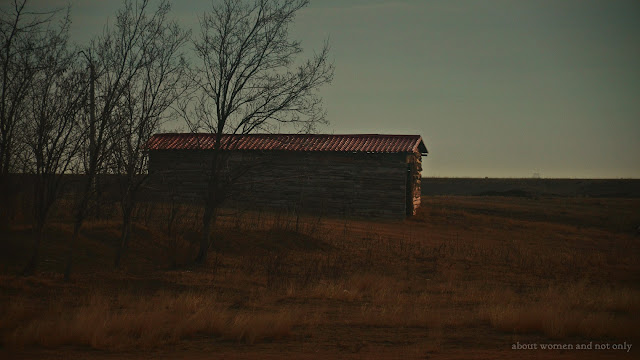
[495, 88]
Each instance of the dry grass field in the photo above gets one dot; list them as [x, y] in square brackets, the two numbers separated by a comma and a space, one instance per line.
[468, 277]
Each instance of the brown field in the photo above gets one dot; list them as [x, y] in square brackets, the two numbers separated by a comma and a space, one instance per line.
[531, 187]
[468, 277]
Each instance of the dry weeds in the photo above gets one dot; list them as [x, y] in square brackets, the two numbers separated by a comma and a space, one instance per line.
[562, 310]
[128, 321]
[457, 267]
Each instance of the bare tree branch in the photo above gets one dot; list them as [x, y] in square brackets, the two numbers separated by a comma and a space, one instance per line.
[145, 104]
[120, 59]
[48, 127]
[250, 79]
[21, 33]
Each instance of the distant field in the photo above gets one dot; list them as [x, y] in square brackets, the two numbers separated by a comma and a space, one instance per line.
[532, 187]
[469, 277]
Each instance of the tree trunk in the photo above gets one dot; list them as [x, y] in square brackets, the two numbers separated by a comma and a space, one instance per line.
[79, 219]
[38, 227]
[4, 160]
[31, 267]
[208, 220]
[211, 204]
[126, 231]
[72, 244]
[7, 202]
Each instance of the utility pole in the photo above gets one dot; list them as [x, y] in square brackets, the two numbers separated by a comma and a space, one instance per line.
[81, 207]
[92, 110]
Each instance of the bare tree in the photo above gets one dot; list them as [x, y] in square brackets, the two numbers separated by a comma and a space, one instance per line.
[19, 30]
[250, 79]
[116, 58]
[144, 106]
[20, 35]
[51, 130]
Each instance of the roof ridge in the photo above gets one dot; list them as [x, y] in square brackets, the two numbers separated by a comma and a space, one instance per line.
[283, 134]
[374, 143]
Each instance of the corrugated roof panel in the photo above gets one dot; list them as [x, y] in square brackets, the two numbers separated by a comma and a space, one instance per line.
[374, 143]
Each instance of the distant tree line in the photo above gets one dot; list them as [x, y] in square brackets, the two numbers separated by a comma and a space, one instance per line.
[89, 108]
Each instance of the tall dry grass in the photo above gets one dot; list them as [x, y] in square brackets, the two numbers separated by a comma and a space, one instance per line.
[452, 269]
[129, 321]
[569, 309]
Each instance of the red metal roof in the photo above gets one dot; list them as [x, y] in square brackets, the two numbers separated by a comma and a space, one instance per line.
[373, 143]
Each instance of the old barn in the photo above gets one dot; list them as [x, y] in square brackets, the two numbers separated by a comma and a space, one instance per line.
[342, 175]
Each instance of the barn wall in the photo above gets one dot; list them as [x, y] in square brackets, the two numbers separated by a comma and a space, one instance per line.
[414, 162]
[353, 184]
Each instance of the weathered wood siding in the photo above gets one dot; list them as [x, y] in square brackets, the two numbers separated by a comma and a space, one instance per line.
[341, 184]
[414, 162]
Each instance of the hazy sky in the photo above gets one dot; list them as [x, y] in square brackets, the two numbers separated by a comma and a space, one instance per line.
[495, 88]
